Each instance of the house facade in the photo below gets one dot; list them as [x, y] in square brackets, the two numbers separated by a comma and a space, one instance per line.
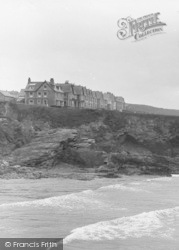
[70, 99]
[49, 93]
[101, 103]
[110, 101]
[80, 96]
[86, 98]
[5, 96]
[120, 103]
[90, 98]
[43, 93]
[94, 100]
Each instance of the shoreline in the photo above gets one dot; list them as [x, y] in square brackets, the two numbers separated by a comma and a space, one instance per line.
[67, 171]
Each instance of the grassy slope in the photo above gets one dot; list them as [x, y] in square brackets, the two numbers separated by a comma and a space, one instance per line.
[64, 117]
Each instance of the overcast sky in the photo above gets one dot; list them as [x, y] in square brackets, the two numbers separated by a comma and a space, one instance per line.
[76, 40]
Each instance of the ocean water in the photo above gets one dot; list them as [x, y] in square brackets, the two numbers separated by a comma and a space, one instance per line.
[101, 214]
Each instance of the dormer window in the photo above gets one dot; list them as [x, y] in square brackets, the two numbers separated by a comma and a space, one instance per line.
[45, 86]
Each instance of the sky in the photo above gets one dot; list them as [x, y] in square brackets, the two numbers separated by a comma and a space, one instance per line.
[76, 40]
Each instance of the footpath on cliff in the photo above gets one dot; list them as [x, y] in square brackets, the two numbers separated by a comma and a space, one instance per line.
[42, 142]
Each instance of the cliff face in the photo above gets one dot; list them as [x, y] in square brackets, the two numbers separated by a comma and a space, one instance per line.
[111, 143]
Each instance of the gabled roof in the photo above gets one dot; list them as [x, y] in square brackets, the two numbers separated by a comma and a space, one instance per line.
[78, 90]
[84, 91]
[33, 86]
[66, 87]
[99, 95]
[6, 93]
[109, 96]
[57, 88]
[119, 98]
[94, 94]
[38, 85]
[89, 91]
[105, 95]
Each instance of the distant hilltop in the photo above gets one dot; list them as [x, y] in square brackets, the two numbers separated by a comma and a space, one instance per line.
[146, 109]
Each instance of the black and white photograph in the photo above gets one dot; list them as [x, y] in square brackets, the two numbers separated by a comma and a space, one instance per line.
[89, 125]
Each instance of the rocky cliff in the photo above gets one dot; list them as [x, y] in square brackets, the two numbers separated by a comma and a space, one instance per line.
[39, 142]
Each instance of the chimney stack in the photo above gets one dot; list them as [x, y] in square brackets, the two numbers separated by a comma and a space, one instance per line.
[29, 80]
[52, 81]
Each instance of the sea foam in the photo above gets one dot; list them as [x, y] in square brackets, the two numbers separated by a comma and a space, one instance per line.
[151, 224]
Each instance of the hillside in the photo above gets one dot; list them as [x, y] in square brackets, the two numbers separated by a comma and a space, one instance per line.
[139, 108]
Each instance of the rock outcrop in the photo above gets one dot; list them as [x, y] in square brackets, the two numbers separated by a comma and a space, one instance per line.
[43, 148]
[110, 143]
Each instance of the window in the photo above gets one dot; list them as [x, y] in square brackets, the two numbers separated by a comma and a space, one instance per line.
[31, 101]
[45, 87]
[31, 94]
[38, 101]
[39, 94]
[45, 94]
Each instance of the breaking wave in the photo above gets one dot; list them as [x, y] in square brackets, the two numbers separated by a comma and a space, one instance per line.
[78, 200]
[74, 200]
[154, 224]
[82, 200]
[160, 179]
[175, 175]
[122, 187]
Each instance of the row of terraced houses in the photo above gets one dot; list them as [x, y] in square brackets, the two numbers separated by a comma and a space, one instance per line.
[70, 95]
